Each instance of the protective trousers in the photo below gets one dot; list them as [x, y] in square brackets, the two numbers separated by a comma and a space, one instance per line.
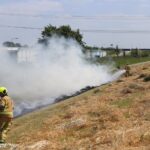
[127, 73]
[4, 128]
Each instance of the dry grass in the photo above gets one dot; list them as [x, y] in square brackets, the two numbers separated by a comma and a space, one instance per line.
[105, 118]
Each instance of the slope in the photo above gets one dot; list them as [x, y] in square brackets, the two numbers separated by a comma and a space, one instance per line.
[115, 116]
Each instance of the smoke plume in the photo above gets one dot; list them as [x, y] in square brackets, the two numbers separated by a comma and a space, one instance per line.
[43, 74]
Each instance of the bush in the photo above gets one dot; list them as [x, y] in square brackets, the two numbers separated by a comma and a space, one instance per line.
[147, 78]
[136, 86]
[145, 53]
[142, 76]
[134, 53]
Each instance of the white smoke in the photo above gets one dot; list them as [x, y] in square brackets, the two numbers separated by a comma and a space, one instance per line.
[49, 73]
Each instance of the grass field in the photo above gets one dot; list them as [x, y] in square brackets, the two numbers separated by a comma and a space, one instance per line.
[121, 61]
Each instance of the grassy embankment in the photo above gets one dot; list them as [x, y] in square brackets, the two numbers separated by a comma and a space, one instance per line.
[112, 117]
[121, 61]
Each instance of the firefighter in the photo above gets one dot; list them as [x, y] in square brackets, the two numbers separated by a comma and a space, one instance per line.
[6, 113]
[127, 69]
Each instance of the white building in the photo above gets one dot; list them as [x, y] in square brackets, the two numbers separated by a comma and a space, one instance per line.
[26, 55]
[95, 53]
[20, 55]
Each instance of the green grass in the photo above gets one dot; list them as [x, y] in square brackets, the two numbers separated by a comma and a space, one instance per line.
[127, 115]
[121, 61]
[125, 103]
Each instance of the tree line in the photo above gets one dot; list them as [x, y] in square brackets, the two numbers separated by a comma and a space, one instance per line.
[66, 32]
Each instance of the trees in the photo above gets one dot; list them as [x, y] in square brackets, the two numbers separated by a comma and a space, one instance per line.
[145, 53]
[135, 52]
[117, 50]
[62, 31]
[11, 44]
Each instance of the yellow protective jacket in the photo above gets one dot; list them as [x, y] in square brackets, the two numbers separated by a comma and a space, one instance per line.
[127, 68]
[7, 104]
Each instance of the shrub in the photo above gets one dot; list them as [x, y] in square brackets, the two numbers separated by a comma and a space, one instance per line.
[136, 86]
[96, 91]
[144, 54]
[126, 91]
[142, 76]
[134, 52]
[147, 78]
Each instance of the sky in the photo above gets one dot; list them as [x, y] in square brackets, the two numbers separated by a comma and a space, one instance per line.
[104, 18]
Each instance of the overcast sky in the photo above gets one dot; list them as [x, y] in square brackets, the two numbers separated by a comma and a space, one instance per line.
[107, 15]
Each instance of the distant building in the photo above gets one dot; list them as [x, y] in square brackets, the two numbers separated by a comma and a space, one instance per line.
[26, 56]
[21, 55]
[95, 53]
[12, 51]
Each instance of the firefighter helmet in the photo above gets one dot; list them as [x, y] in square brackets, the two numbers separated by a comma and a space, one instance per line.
[3, 90]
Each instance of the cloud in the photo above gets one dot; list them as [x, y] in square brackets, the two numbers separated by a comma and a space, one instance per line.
[31, 6]
[109, 1]
[109, 8]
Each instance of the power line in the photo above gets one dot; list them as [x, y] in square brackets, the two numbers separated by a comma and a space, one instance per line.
[84, 30]
[118, 31]
[81, 17]
[20, 27]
